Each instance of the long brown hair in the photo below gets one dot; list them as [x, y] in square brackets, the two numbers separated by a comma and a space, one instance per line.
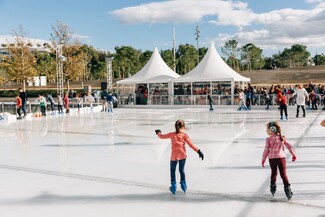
[179, 124]
[275, 128]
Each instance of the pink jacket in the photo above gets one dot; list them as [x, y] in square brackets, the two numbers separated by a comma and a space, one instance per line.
[178, 144]
[274, 148]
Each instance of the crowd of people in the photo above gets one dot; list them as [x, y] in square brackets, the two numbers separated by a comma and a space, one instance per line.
[271, 95]
[250, 95]
[48, 102]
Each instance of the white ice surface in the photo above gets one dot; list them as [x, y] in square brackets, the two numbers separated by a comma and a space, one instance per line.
[99, 164]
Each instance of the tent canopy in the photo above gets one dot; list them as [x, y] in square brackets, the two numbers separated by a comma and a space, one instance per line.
[211, 68]
[155, 71]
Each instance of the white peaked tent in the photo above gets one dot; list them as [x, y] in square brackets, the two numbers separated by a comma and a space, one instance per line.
[156, 71]
[213, 68]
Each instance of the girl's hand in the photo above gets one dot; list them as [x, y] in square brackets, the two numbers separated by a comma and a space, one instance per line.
[201, 155]
[294, 158]
[263, 162]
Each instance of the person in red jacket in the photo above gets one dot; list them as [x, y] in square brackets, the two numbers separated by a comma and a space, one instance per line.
[283, 105]
[178, 154]
[66, 102]
[18, 106]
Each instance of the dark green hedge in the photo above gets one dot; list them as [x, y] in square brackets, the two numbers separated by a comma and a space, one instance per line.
[30, 93]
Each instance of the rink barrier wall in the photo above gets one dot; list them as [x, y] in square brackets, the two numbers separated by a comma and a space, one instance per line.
[181, 101]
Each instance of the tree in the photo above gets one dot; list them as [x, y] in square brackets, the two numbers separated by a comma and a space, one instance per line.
[202, 52]
[20, 63]
[74, 64]
[319, 59]
[126, 61]
[45, 65]
[299, 55]
[252, 56]
[296, 56]
[231, 50]
[95, 63]
[186, 56]
[3, 73]
[144, 58]
[168, 57]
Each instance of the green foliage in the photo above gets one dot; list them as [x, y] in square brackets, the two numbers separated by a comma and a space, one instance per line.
[46, 65]
[32, 93]
[252, 56]
[319, 59]
[296, 56]
[186, 58]
[126, 61]
[145, 56]
[231, 50]
[168, 57]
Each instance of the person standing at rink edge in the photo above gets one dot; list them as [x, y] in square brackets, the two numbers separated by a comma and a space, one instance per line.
[274, 150]
[302, 95]
[23, 97]
[178, 154]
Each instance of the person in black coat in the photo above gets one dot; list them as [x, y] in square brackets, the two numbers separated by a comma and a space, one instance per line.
[23, 97]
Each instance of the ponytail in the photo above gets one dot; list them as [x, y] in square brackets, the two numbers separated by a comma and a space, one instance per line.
[179, 125]
[281, 137]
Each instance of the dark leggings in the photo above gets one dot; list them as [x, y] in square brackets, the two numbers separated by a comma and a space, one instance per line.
[181, 168]
[281, 164]
[303, 109]
[43, 110]
[283, 108]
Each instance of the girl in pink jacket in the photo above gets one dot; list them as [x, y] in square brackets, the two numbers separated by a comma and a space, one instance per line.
[178, 154]
[274, 150]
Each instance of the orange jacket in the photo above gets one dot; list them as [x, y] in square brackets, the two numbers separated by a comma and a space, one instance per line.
[178, 144]
[18, 101]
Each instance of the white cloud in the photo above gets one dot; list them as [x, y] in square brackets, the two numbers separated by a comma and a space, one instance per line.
[181, 11]
[78, 36]
[269, 30]
[8, 39]
[314, 1]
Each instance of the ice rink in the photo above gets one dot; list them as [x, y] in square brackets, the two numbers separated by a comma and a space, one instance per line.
[98, 164]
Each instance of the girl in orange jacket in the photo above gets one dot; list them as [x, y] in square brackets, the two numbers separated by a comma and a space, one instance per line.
[178, 154]
[18, 106]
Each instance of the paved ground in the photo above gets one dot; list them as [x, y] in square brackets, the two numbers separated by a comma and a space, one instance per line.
[99, 164]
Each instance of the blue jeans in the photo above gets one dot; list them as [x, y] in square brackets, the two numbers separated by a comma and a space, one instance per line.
[181, 168]
[23, 107]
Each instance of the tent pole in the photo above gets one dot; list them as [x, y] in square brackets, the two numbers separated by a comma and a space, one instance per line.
[232, 91]
[148, 97]
[192, 100]
[134, 95]
[171, 92]
[210, 92]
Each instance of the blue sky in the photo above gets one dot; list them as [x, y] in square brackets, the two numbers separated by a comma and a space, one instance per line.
[143, 24]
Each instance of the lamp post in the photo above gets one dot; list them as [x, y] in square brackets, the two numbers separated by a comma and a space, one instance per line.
[59, 69]
[197, 36]
[109, 61]
[3, 80]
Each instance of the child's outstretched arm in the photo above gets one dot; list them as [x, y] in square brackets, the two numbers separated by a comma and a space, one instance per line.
[163, 136]
[196, 149]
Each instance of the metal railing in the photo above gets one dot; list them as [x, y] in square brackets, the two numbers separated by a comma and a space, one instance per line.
[257, 99]
[33, 106]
